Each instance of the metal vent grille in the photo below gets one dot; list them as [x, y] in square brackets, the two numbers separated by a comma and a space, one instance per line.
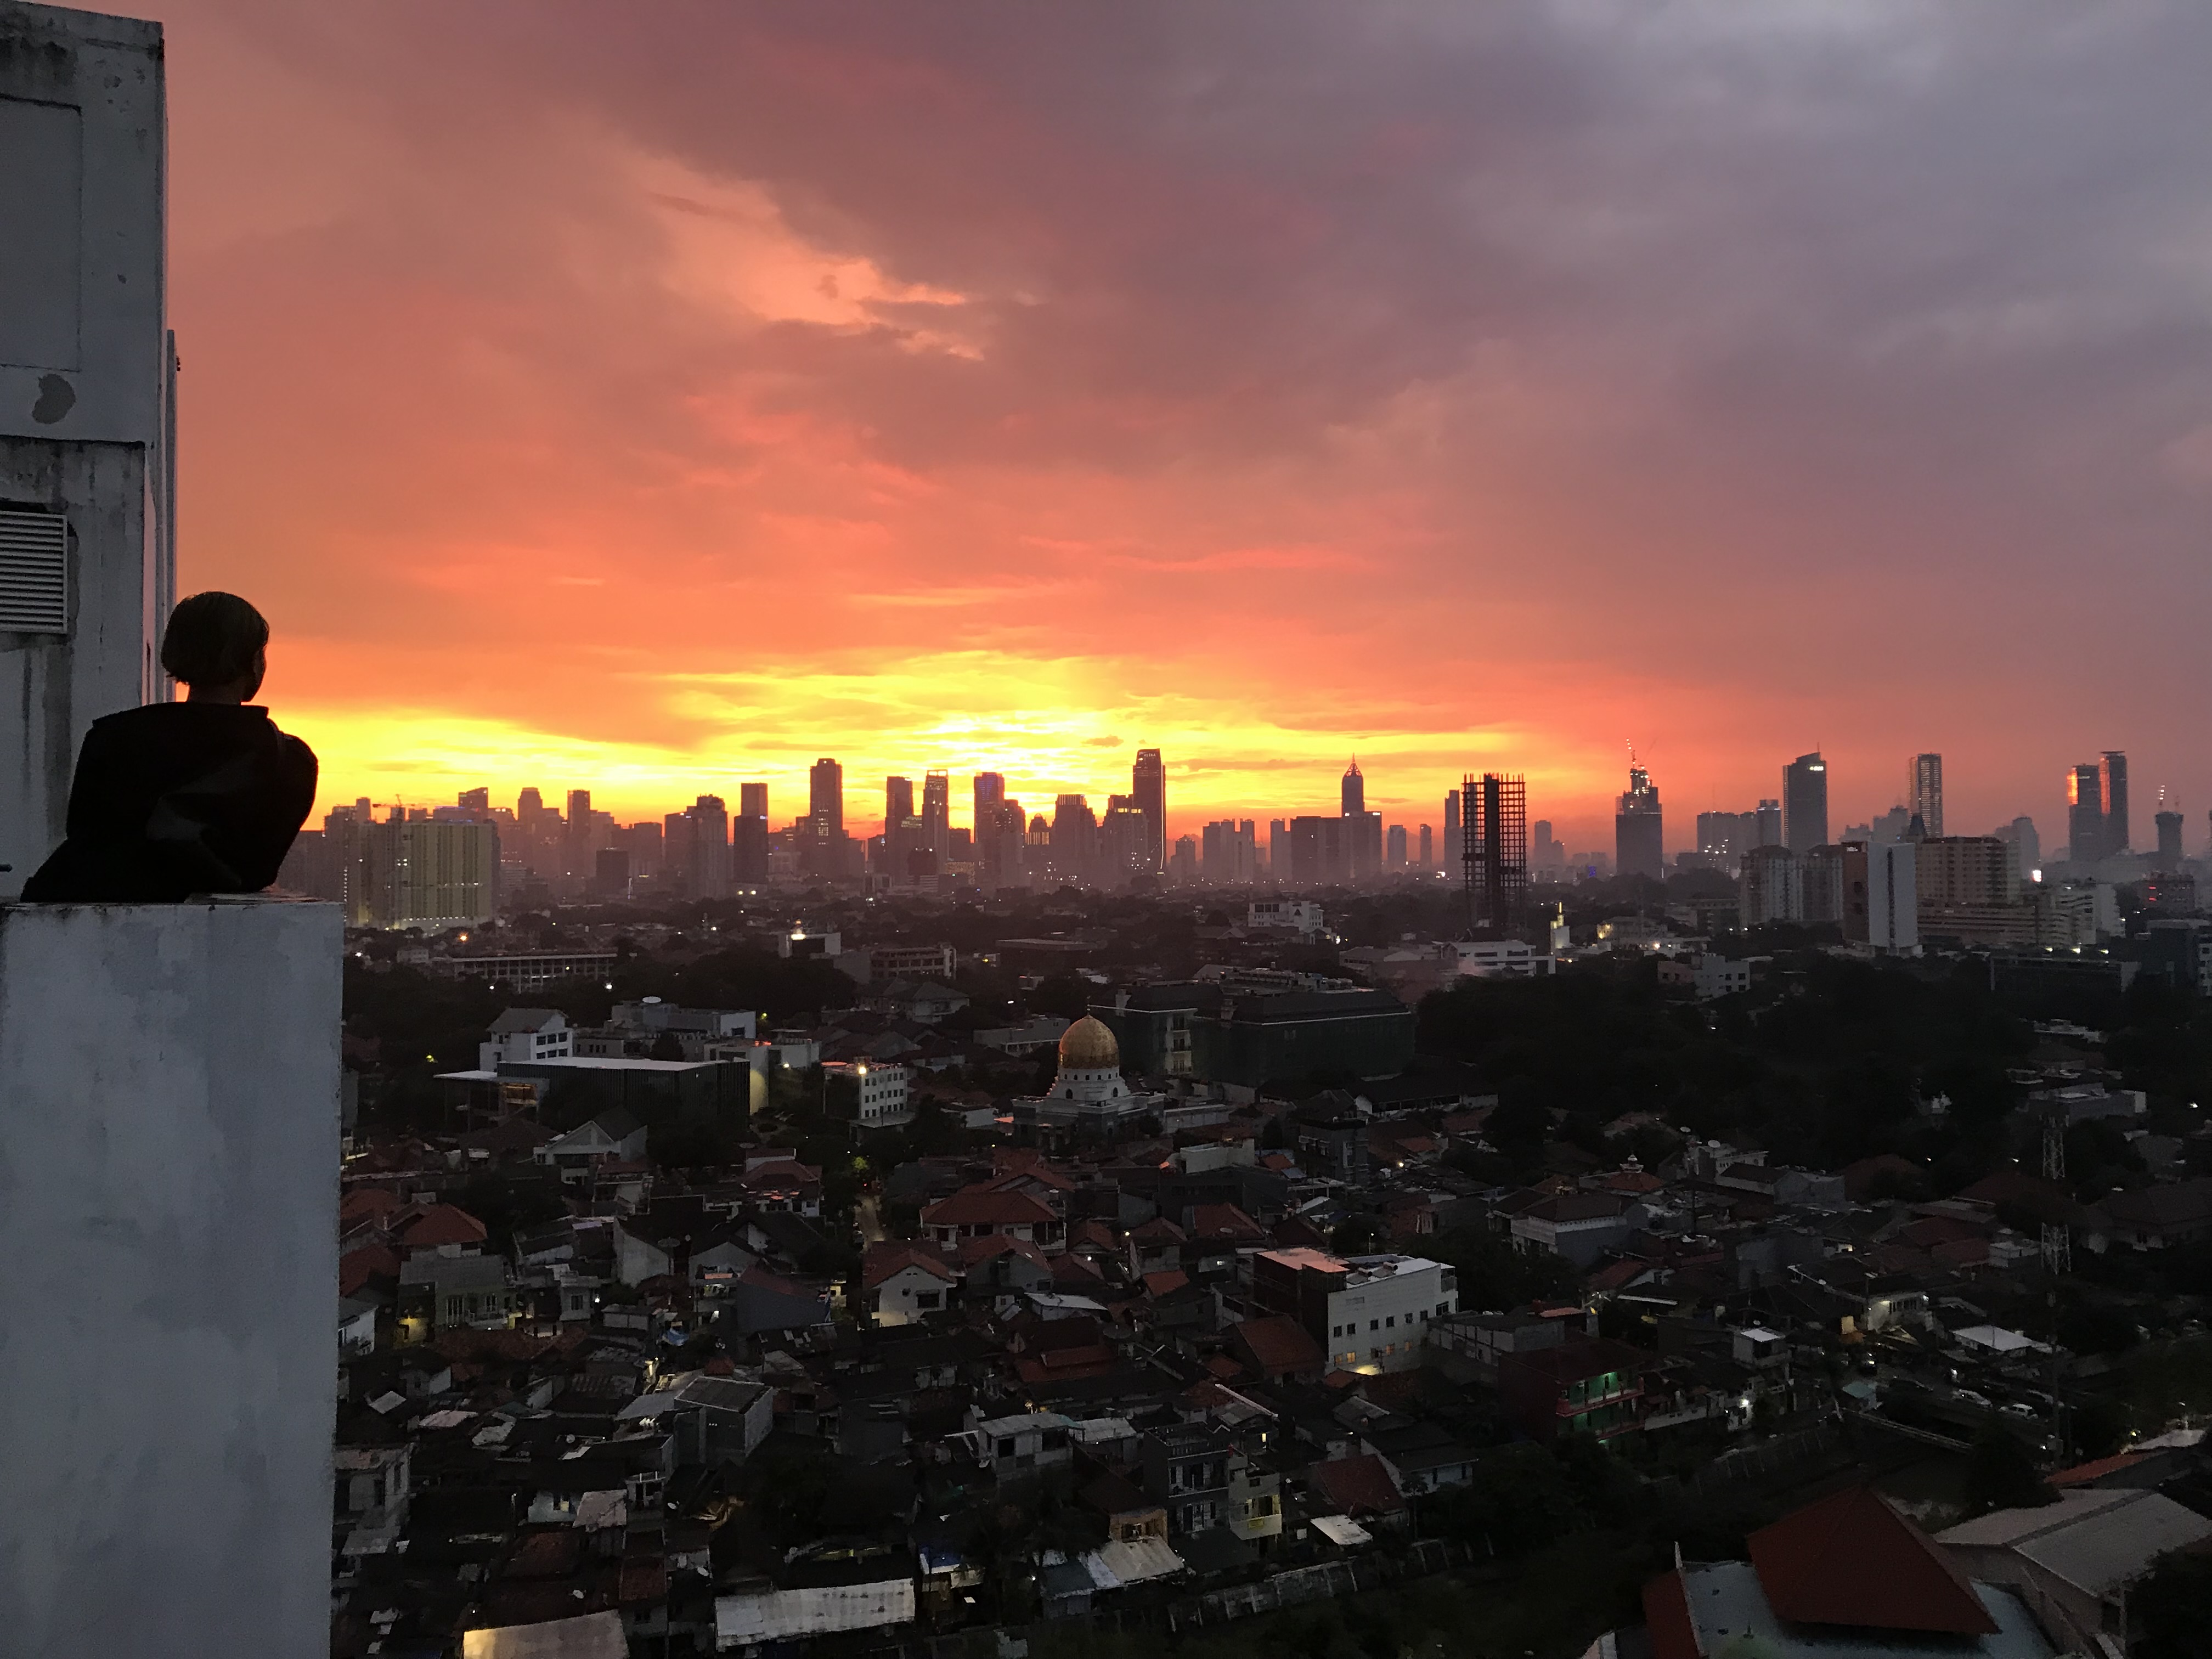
[34, 573]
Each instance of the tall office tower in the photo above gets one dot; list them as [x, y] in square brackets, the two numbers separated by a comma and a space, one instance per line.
[825, 801]
[1279, 849]
[475, 805]
[707, 836]
[1428, 848]
[1766, 827]
[898, 806]
[528, 806]
[1123, 845]
[1546, 850]
[1804, 804]
[1724, 834]
[87, 415]
[749, 842]
[2169, 836]
[1148, 784]
[1320, 852]
[576, 843]
[1074, 842]
[1640, 846]
[990, 791]
[1770, 887]
[2085, 816]
[1923, 792]
[2027, 845]
[1354, 789]
[937, 812]
[1393, 853]
[2112, 795]
[1496, 858]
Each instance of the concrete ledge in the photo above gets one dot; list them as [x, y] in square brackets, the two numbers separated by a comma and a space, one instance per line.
[168, 1195]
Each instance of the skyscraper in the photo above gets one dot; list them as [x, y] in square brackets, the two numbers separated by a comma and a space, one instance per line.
[1148, 784]
[2169, 836]
[1455, 848]
[1766, 829]
[1639, 846]
[990, 789]
[1805, 803]
[936, 811]
[2112, 795]
[1496, 864]
[1923, 792]
[2085, 816]
[749, 836]
[1428, 848]
[1355, 789]
[825, 800]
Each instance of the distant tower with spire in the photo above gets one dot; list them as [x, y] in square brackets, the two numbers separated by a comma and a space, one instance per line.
[1355, 789]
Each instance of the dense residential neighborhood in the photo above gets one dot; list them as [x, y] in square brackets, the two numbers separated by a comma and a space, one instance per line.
[1205, 1292]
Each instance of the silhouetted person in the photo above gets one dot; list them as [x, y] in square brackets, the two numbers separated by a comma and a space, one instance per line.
[174, 798]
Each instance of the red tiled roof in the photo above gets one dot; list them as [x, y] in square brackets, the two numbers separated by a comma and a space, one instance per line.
[973, 1208]
[1158, 1230]
[1223, 1367]
[1357, 1485]
[886, 1261]
[442, 1224]
[1667, 1619]
[1851, 1560]
[1166, 1282]
[2082, 1473]
[1073, 1269]
[1221, 1221]
[357, 1268]
[367, 1204]
[1279, 1345]
[976, 1251]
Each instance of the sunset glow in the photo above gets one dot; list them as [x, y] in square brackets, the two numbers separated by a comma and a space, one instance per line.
[648, 406]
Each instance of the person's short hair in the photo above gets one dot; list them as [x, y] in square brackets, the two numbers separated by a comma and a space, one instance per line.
[212, 639]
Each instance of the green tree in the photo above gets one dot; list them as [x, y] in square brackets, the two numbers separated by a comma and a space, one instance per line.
[2001, 1475]
[2172, 1608]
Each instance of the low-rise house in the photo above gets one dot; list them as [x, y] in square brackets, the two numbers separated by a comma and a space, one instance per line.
[614, 1136]
[1593, 1387]
[440, 1292]
[903, 1283]
[1011, 1447]
[1578, 1226]
[1276, 1348]
[2157, 1217]
[974, 1214]
[2073, 1560]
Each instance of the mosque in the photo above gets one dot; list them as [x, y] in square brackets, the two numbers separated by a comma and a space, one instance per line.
[1088, 1096]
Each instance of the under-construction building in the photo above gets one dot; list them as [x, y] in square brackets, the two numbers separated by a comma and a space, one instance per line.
[1495, 809]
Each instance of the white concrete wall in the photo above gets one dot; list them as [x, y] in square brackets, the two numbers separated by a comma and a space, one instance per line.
[87, 383]
[168, 1195]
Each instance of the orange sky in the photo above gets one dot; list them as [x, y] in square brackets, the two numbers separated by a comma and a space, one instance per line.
[652, 398]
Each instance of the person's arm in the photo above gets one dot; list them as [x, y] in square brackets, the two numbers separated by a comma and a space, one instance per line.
[278, 818]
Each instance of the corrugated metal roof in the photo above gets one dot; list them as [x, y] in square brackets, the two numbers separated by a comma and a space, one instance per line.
[2094, 1539]
[592, 1635]
[1114, 1564]
[778, 1615]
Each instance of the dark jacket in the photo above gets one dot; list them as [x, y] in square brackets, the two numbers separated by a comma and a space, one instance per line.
[176, 799]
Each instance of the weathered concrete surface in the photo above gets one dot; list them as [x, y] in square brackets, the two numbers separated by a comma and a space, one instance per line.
[169, 1190]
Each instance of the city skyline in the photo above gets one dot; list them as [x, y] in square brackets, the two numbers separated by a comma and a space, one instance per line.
[1923, 770]
[651, 446]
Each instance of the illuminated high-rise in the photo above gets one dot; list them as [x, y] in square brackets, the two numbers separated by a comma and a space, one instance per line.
[990, 789]
[1148, 784]
[2112, 796]
[1805, 803]
[936, 811]
[1923, 792]
[1640, 846]
[2085, 816]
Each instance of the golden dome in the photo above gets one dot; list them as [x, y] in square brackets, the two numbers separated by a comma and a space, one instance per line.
[1088, 1046]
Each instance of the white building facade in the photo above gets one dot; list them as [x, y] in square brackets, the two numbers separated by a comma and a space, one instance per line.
[1380, 1319]
[87, 376]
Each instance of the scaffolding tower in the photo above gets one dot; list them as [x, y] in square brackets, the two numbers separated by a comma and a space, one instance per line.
[2057, 1242]
[1494, 824]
